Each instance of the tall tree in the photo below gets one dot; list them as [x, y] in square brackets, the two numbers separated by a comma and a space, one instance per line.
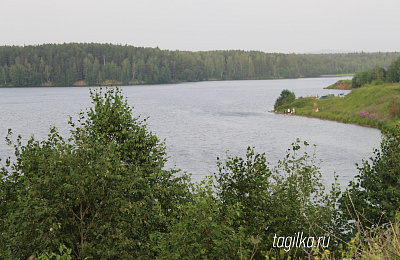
[101, 193]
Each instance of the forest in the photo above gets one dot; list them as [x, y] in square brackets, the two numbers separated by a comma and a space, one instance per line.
[102, 64]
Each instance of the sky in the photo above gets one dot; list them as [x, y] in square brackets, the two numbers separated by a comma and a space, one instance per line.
[303, 26]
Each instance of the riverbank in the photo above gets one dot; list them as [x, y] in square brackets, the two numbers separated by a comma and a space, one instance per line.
[341, 84]
[374, 106]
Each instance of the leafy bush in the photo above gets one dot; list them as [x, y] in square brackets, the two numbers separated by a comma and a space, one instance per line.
[286, 97]
[282, 199]
[101, 193]
[374, 195]
[202, 232]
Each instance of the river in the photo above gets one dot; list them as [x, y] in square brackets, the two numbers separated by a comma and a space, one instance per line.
[203, 120]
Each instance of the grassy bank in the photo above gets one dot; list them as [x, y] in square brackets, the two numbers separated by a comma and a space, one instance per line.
[341, 84]
[376, 106]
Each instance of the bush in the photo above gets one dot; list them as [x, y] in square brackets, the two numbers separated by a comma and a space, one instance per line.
[101, 192]
[286, 97]
[281, 200]
[373, 198]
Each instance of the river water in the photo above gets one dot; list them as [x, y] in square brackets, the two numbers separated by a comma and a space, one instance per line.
[201, 121]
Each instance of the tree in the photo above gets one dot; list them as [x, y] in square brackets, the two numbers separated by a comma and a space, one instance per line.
[286, 97]
[17, 75]
[101, 192]
[203, 232]
[373, 198]
[393, 72]
[379, 74]
[276, 200]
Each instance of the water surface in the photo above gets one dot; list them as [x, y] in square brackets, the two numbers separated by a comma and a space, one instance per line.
[201, 121]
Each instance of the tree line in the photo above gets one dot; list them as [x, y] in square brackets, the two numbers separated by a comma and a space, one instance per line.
[93, 64]
[378, 75]
[103, 193]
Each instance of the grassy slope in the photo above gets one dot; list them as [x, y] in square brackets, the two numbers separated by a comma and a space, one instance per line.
[341, 84]
[375, 101]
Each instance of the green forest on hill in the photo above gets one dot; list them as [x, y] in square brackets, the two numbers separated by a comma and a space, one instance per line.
[94, 64]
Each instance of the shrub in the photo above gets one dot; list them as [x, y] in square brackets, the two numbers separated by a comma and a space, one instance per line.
[286, 97]
[282, 200]
[375, 192]
[100, 193]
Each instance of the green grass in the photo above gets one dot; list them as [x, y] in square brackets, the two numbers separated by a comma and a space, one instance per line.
[374, 102]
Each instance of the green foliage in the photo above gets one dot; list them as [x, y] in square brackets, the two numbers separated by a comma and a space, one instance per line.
[393, 73]
[378, 75]
[64, 254]
[92, 64]
[203, 232]
[101, 193]
[284, 99]
[282, 200]
[373, 198]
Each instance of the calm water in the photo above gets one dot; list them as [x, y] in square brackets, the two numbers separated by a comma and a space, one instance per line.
[201, 121]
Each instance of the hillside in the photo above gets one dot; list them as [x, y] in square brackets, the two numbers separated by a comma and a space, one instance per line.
[376, 106]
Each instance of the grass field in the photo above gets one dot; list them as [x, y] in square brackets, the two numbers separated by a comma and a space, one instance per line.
[376, 106]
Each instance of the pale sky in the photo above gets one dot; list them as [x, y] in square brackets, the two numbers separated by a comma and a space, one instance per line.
[198, 25]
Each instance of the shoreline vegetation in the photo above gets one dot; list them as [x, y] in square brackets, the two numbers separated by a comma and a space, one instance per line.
[112, 198]
[93, 64]
[341, 84]
[374, 100]
[373, 106]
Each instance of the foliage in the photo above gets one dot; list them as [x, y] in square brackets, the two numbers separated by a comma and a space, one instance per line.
[281, 200]
[378, 75]
[101, 193]
[64, 254]
[374, 243]
[373, 198]
[284, 99]
[393, 72]
[202, 232]
[92, 64]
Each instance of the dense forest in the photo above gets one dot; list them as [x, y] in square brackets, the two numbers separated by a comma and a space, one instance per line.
[93, 64]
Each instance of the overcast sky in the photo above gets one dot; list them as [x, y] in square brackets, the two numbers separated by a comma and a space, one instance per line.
[196, 25]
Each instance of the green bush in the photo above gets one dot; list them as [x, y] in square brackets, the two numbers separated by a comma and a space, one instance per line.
[101, 192]
[277, 200]
[286, 97]
[373, 198]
